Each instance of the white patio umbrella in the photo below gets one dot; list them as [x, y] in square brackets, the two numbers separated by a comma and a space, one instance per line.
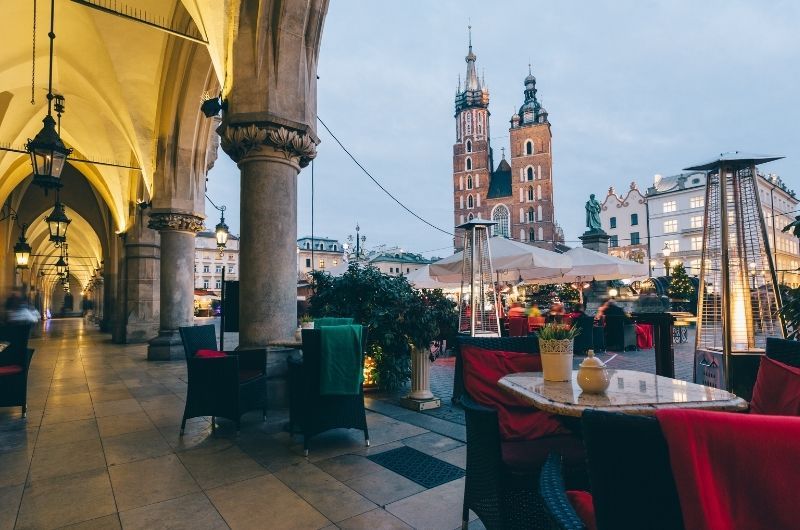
[422, 279]
[590, 265]
[510, 261]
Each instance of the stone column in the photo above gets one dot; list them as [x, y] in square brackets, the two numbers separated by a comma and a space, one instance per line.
[270, 158]
[140, 285]
[178, 232]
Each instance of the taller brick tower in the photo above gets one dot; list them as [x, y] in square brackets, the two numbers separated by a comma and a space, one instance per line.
[532, 170]
[472, 154]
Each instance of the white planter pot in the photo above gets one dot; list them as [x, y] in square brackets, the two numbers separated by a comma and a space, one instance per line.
[556, 359]
[420, 375]
[307, 325]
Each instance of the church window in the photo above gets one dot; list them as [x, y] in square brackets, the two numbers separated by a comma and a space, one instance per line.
[529, 147]
[469, 182]
[470, 217]
[532, 235]
[530, 193]
[470, 202]
[469, 163]
[531, 215]
[501, 216]
[468, 124]
[529, 172]
[469, 146]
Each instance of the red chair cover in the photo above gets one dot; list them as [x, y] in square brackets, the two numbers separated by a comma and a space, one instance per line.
[644, 336]
[517, 326]
[734, 470]
[518, 420]
[777, 389]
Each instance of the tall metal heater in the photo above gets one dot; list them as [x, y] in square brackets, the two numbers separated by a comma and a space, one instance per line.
[738, 298]
[478, 310]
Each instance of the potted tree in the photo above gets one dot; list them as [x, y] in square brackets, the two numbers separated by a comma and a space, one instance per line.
[420, 326]
[555, 348]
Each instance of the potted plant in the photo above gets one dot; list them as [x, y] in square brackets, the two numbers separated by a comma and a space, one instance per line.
[306, 322]
[555, 348]
[420, 327]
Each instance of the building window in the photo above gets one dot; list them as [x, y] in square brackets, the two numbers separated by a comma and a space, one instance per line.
[501, 217]
[612, 223]
[219, 284]
[634, 238]
[469, 182]
[391, 270]
[696, 221]
[670, 206]
[335, 262]
[613, 242]
[694, 267]
[531, 215]
[532, 235]
[529, 147]
[206, 268]
[469, 146]
[336, 248]
[308, 245]
[529, 173]
[308, 263]
[408, 270]
[230, 257]
[218, 269]
[530, 193]
[469, 164]
[321, 263]
[205, 284]
[634, 219]
[697, 242]
[470, 202]
[670, 226]
[673, 244]
[697, 202]
[195, 267]
[230, 270]
[470, 217]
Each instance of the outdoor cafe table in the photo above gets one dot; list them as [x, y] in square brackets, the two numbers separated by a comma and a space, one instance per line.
[630, 392]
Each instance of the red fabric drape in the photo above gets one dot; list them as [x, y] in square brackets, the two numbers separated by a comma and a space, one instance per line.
[734, 470]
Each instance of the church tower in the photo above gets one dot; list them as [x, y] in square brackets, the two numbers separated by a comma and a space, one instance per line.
[532, 171]
[472, 155]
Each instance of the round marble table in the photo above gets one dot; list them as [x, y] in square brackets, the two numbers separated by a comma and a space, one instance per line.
[629, 392]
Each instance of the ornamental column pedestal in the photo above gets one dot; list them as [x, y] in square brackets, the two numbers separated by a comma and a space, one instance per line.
[176, 290]
[269, 157]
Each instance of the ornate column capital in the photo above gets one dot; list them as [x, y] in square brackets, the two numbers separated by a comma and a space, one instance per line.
[181, 222]
[244, 140]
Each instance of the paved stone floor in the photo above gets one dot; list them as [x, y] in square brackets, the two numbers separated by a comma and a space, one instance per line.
[101, 449]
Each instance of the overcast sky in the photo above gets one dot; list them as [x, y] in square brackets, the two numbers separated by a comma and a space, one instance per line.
[633, 88]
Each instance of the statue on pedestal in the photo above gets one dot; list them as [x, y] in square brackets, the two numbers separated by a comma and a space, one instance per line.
[593, 215]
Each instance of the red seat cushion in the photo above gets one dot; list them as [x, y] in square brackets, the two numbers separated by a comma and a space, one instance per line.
[777, 389]
[10, 369]
[581, 502]
[518, 420]
[529, 455]
[209, 354]
[248, 374]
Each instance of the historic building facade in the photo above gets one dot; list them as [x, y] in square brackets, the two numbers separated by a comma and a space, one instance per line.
[624, 219]
[518, 192]
[327, 254]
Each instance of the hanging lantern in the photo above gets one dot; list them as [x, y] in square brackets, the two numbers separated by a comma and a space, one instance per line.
[478, 311]
[48, 155]
[222, 233]
[22, 251]
[738, 298]
[58, 222]
[61, 266]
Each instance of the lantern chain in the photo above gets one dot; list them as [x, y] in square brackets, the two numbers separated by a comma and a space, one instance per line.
[33, 58]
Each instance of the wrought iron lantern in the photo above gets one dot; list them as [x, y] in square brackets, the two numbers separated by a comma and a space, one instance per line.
[22, 251]
[478, 314]
[58, 222]
[738, 298]
[47, 151]
[221, 232]
[667, 252]
[61, 266]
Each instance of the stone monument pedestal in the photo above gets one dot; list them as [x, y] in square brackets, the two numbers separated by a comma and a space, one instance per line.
[596, 240]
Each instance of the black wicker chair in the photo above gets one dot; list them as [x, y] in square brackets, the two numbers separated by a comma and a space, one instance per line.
[500, 498]
[225, 386]
[784, 350]
[620, 333]
[554, 495]
[15, 361]
[529, 344]
[311, 413]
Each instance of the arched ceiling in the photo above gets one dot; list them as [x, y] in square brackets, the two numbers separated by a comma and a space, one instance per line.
[110, 71]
